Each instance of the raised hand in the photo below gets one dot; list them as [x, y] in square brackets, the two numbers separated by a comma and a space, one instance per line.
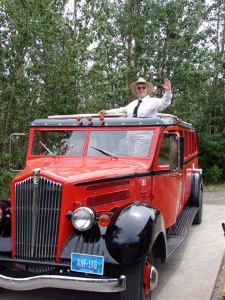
[102, 113]
[167, 84]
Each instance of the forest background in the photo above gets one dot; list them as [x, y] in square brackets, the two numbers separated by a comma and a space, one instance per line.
[80, 58]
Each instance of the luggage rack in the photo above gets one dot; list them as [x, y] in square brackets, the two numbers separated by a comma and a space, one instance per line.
[109, 120]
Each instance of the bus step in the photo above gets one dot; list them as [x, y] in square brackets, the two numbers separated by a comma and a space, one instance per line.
[179, 231]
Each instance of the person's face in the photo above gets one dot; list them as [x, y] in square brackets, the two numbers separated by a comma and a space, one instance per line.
[142, 90]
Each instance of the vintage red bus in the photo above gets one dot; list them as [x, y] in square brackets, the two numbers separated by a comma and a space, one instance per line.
[97, 201]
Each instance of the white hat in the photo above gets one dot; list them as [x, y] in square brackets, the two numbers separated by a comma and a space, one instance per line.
[141, 80]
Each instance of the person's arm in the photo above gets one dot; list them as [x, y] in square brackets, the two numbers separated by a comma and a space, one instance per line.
[166, 99]
[167, 84]
[113, 111]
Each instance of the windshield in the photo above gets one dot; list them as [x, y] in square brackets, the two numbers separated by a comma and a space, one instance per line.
[58, 142]
[94, 143]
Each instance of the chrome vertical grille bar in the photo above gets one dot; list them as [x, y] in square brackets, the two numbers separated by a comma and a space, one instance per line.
[47, 218]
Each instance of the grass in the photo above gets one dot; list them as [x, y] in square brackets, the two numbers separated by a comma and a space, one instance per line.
[215, 187]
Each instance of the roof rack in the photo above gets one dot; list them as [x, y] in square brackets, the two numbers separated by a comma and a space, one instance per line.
[109, 120]
[94, 115]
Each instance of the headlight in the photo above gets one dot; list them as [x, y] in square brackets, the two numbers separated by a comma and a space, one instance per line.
[83, 218]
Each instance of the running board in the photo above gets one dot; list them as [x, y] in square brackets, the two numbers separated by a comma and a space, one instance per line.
[179, 231]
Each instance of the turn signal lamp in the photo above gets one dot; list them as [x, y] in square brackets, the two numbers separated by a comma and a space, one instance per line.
[102, 120]
[78, 119]
[89, 119]
[104, 220]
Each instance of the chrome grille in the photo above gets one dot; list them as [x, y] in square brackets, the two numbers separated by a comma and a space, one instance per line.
[37, 209]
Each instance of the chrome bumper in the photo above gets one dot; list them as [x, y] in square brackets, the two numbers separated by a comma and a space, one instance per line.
[64, 282]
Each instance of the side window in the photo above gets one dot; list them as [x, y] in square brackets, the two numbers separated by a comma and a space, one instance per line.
[163, 158]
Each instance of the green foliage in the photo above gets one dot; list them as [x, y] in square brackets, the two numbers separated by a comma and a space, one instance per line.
[5, 177]
[214, 174]
[55, 62]
[212, 157]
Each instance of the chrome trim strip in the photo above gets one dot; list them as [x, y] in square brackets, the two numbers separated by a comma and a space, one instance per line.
[64, 282]
[36, 178]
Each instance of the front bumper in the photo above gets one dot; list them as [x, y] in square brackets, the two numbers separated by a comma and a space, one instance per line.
[65, 282]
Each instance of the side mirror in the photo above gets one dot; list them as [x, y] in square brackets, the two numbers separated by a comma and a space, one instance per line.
[176, 153]
[17, 151]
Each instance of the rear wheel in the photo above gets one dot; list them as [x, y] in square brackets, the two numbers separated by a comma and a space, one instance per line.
[196, 196]
[138, 279]
[198, 217]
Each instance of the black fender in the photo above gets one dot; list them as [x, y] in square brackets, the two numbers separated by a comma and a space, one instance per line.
[90, 242]
[196, 195]
[133, 231]
[196, 188]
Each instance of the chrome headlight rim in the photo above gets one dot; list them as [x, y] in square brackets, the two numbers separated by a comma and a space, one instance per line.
[83, 218]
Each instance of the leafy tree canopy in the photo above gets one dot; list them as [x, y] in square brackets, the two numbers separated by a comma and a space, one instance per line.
[57, 61]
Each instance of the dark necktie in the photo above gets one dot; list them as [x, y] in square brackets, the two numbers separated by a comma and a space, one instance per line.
[136, 108]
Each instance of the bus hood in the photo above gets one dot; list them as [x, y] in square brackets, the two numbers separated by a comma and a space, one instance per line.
[82, 169]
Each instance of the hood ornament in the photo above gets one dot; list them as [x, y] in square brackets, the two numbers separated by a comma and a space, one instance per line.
[36, 176]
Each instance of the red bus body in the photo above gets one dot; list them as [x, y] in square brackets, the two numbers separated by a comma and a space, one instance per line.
[101, 201]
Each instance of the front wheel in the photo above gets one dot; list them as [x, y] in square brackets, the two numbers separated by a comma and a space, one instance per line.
[139, 276]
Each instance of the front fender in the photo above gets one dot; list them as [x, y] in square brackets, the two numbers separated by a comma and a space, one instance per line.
[88, 242]
[132, 231]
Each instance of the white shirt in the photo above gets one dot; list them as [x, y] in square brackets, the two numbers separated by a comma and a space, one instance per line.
[148, 107]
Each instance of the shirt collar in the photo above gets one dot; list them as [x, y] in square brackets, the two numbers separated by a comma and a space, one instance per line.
[145, 98]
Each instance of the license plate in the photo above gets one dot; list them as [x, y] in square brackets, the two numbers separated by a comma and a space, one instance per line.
[92, 264]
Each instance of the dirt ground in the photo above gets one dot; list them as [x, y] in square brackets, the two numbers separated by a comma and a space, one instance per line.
[217, 197]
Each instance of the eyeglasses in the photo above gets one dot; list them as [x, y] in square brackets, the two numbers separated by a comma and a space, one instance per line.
[141, 88]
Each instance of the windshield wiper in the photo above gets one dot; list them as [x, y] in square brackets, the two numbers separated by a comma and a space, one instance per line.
[104, 151]
[49, 151]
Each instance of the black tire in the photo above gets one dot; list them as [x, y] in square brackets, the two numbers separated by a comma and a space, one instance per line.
[135, 287]
[196, 196]
[198, 217]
